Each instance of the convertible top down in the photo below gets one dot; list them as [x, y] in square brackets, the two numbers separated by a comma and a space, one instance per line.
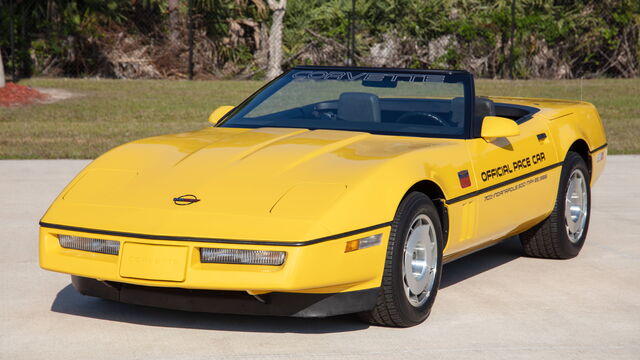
[331, 190]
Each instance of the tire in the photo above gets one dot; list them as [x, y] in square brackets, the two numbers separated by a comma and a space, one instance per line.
[397, 305]
[559, 236]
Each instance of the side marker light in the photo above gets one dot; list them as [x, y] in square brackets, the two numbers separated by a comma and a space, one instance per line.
[363, 243]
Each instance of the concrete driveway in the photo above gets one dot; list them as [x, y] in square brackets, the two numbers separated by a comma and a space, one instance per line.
[493, 304]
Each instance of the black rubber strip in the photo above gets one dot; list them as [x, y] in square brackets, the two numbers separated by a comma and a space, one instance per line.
[599, 148]
[504, 183]
[214, 240]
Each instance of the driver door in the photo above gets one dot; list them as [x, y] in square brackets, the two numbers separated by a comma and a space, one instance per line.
[517, 180]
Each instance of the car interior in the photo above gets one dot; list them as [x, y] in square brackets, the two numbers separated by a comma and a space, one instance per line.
[363, 111]
[367, 107]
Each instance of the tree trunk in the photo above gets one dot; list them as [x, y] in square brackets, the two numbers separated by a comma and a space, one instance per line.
[174, 22]
[1, 71]
[261, 56]
[275, 38]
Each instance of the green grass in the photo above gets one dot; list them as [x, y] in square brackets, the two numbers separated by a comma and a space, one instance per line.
[110, 112]
[107, 113]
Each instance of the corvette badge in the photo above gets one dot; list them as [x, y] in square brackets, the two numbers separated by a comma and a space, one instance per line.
[185, 200]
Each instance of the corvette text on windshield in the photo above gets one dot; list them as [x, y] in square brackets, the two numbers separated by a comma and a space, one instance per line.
[367, 76]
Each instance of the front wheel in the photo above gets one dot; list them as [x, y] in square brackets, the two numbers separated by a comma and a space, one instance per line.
[412, 267]
[562, 234]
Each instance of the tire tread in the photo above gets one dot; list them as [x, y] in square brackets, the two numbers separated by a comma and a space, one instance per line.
[544, 239]
[385, 313]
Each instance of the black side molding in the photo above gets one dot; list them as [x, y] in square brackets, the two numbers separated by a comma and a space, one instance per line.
[214, 240]
[501, 184]
[599, 148]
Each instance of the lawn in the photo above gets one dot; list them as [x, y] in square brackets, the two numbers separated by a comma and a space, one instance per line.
[106, 113]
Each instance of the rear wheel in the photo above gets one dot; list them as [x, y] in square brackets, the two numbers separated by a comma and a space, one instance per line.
[562, 234]
[412, 267]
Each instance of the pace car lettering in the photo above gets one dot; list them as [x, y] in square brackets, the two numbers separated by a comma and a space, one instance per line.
[515, 187]
[515, 166]
[376, 76]
[496, 172]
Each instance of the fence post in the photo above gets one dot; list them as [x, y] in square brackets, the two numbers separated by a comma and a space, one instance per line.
[12, 42]
[352, 50]
[513, 39]
[190, 29]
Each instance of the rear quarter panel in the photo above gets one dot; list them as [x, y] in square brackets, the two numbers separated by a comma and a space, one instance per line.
[570, 121]
[580, 121]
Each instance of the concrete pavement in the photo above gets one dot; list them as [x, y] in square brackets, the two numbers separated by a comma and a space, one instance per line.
[493, 304]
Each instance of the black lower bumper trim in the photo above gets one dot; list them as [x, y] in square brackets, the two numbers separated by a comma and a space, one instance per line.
[231, 302]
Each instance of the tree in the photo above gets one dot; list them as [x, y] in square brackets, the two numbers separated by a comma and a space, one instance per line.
[174, 21]
[1, 71]
[275, 38]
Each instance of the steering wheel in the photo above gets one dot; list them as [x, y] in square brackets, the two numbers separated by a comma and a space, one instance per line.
[324, 115]
[422, 118]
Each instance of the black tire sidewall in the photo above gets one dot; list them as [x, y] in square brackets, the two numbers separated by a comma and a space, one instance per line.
[573, 161]
[414, 204]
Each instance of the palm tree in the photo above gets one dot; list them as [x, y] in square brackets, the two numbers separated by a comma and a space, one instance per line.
[275, 38]
[174, 22]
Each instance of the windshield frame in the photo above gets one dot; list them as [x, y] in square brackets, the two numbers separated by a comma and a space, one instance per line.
[276, 84]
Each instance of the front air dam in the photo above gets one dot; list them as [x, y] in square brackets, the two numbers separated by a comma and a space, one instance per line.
[230, 302]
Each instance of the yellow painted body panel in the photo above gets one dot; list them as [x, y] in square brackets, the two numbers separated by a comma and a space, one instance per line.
[323, 267]
[219, 113]
[296, 185]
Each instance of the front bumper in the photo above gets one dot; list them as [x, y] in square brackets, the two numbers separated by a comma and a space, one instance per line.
[231, 302]
[319, 268]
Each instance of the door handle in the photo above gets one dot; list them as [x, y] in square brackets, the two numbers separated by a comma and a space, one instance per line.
[542, 136]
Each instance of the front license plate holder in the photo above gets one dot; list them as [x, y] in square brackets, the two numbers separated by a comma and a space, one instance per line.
[153, 262]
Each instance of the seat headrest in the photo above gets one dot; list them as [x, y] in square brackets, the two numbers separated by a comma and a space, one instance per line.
[357, 106]
[484, 107]
[457, 111]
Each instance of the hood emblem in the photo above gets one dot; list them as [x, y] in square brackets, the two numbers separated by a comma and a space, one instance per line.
[185, 200]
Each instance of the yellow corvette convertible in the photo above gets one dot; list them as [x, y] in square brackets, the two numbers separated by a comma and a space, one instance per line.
[329, 191]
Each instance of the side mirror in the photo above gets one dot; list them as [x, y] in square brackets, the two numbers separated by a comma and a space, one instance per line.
[219, 113]
[497, 127]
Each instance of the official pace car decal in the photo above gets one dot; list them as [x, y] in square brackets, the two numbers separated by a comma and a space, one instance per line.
[509, 168]
[515, 187]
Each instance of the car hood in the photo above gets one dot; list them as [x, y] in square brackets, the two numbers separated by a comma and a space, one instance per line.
[264, 176]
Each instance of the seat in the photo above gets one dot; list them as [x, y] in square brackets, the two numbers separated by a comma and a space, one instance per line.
[357, 106]
[484, 107]
[457, 111]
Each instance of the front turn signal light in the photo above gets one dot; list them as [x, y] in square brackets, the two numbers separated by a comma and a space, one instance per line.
[363, 243]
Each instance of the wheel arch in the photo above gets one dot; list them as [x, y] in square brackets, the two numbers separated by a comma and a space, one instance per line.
[581, 147]
[435, 193]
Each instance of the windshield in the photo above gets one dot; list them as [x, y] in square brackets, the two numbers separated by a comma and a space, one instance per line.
[375, 101]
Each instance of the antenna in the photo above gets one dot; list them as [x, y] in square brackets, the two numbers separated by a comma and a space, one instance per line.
[581, 88]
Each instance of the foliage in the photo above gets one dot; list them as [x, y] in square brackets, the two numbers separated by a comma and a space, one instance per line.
[553, 38]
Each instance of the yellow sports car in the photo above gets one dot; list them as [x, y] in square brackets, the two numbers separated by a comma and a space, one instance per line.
[331, 190]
